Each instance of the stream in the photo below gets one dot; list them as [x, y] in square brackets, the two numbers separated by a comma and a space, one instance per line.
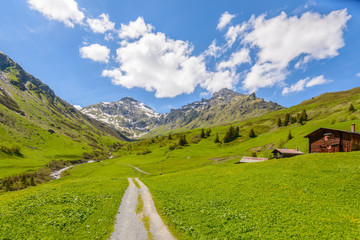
[57, 174]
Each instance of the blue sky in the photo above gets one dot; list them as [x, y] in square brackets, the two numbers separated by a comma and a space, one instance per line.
[169, 53]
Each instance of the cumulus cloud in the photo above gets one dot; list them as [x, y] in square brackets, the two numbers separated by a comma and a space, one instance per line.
[95, 52]
[235, 60]
[166, 66]
[65, 11]
[135, 29]
[283, 39]
[101, 24]
[319, 80]
[159, 64]
[305, 83]
[224, 20]
[213, 50]
[235, 32]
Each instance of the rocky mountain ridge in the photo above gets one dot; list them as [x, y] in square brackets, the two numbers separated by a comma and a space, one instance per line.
[135, 119]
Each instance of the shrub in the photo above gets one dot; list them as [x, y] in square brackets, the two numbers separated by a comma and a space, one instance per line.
[351, 108]
[289, 136]
[196, 139]
[252, 133]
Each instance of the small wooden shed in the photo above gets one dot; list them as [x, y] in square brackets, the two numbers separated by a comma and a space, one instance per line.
[285, 153]
[333, 140]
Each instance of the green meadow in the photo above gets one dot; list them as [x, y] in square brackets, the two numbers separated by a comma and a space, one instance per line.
[197, 188]
[81, 205]
[313, 196]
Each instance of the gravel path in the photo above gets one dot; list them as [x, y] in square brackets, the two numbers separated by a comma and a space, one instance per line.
[157, 226]
[136, 168]
[128, 226]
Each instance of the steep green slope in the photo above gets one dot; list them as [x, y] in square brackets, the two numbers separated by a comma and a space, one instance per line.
[36, 126]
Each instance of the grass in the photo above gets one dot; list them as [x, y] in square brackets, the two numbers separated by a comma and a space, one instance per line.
[312, 196]
[82, 205]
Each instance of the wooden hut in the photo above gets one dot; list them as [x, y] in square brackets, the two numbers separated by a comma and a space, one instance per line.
[285, 153]
[333, 140]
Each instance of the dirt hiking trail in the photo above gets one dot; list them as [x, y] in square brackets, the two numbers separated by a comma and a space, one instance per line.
[139, 221]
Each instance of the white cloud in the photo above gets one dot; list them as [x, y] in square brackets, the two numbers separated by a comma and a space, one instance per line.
[164, 65]
[305, 83]
[297, 87]
[157, 63]
[101, 24]
[358, 74]
[235, 60]
[283, 39]
[234, 32]
[65, 11]
[95, 52]
[135, 29]
[319, 80]
[213, 50]
[224, 20]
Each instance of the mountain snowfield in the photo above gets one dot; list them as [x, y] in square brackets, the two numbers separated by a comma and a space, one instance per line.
[136, 119]
[128, 115]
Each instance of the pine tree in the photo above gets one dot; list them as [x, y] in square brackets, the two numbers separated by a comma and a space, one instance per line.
[229, 135]
[236, 132]
[279, 123]
[252, 133]
[182, 140]
[304, 115]
[217, 138]
[202, 135]
[351, 108]
[208, 132]
[290, 136]
[32, 181]
[286, 120]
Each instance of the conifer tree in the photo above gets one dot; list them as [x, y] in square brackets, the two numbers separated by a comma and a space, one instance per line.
[169, 137]
[236, 132]
[208, 132]
[252, 133]
[290, 136]
[279, 123]
[351, 108]
[182, 140]
[304, 115]
[286, 120]
[217, 138]
[202, 135]
[32, 181]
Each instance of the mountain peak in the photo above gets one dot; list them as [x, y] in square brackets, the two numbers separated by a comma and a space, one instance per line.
[129, 99]
[225, 92]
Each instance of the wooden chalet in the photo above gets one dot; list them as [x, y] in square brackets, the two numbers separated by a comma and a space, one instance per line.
[285, 153]
[333, 140]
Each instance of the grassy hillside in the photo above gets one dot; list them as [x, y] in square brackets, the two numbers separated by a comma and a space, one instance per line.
[37, 127]
[82, 205]
[312, 196]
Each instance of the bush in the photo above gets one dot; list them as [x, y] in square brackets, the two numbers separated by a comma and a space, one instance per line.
[196, 139]
[13, 149]
[252, 133]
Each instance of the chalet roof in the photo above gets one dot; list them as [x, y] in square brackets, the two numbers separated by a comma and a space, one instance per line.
[331, 129]
[287, 151]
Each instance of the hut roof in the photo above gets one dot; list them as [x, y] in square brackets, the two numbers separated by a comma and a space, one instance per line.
[287, 151]
[330, 129]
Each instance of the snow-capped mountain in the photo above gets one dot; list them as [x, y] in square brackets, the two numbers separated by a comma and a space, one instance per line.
[135, 119]
[132, 117]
